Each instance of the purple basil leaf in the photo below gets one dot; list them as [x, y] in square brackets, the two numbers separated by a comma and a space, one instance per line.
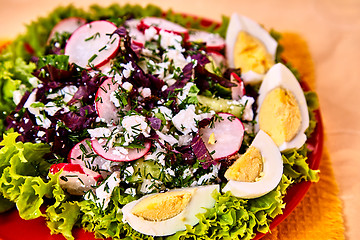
[200, 58]
[201, 152]
[155, 123]
[203, 78]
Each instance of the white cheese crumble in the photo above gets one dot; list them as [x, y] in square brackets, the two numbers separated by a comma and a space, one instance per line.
[150, 34]
[185, 92]
[207, 177]
[167, 138]
[145, 92]
[149, 185]
[134, 125]
[51, 108]
[67, 93]
[130, 191]
[248, 112]
[114, 99]
[104, 191]
[246, 101]
[166, 112]
[186, 120]
[127, 86]
[99, 132]
[169, 39]
[128, 69]
[177, 57]
[158, 155]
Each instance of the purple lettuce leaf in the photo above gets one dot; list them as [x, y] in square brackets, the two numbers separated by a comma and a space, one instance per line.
[205, 79]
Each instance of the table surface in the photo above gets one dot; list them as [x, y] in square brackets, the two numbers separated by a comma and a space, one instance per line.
[332, 30]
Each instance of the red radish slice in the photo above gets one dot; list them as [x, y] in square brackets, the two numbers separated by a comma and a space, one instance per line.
[68, 167]
[114, 154]
[219, 59]
[214, 42]
[83, 155]
[238, 91]
[93, 45]
[225, 137]
[75, 168]
[137, 37]
[74, 179]
[68, 25]
[163, 24]
[103, 104]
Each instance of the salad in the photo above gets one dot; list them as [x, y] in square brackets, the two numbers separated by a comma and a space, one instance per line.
[133, 123]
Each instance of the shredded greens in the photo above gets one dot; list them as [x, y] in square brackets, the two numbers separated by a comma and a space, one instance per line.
[26, 183]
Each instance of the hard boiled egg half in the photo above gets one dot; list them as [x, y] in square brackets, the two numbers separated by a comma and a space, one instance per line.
[257, 171]
[249, 47]
[163, 214]
[282, 109]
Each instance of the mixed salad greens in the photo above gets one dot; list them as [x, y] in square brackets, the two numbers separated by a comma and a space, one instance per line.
[53, 111]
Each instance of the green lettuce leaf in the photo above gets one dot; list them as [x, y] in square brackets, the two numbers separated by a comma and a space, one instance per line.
[24, 179]
[296, 167]
[313, 104]
[62, 218]
[107, 223]
[14, 72]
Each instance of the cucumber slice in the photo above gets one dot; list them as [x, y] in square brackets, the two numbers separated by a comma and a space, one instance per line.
[222, 105]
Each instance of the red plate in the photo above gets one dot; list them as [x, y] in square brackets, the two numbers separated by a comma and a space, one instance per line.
[12, 227]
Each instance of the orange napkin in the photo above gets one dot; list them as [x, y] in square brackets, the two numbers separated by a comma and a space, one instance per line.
[3, 43]
[319, 214]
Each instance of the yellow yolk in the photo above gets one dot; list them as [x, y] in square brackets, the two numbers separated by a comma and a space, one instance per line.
[251, 55]
[280, 116]
[212, 139]
[246, 168]
[162, 206]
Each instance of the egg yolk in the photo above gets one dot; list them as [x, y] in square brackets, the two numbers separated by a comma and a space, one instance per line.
[280, 116]
[246, 168]
[250, 54]
[162, 206]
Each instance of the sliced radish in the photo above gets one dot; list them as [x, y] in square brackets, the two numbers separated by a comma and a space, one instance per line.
[119, 154]
[214, 42]
[68, 25]
[68, 167]
[74, 167]
[83, 155]
[224, 137]
[104, 106]
[238, 91]
[219, 59]
[163, 24]
[137, 37]
[93, 44]
[74, 179]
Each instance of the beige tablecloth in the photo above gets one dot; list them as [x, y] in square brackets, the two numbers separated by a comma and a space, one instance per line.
[332, 30]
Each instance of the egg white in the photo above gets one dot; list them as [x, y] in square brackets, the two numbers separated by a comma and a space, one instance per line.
[280, 76]
[240, 23]
[271, 175]
[200, 200]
